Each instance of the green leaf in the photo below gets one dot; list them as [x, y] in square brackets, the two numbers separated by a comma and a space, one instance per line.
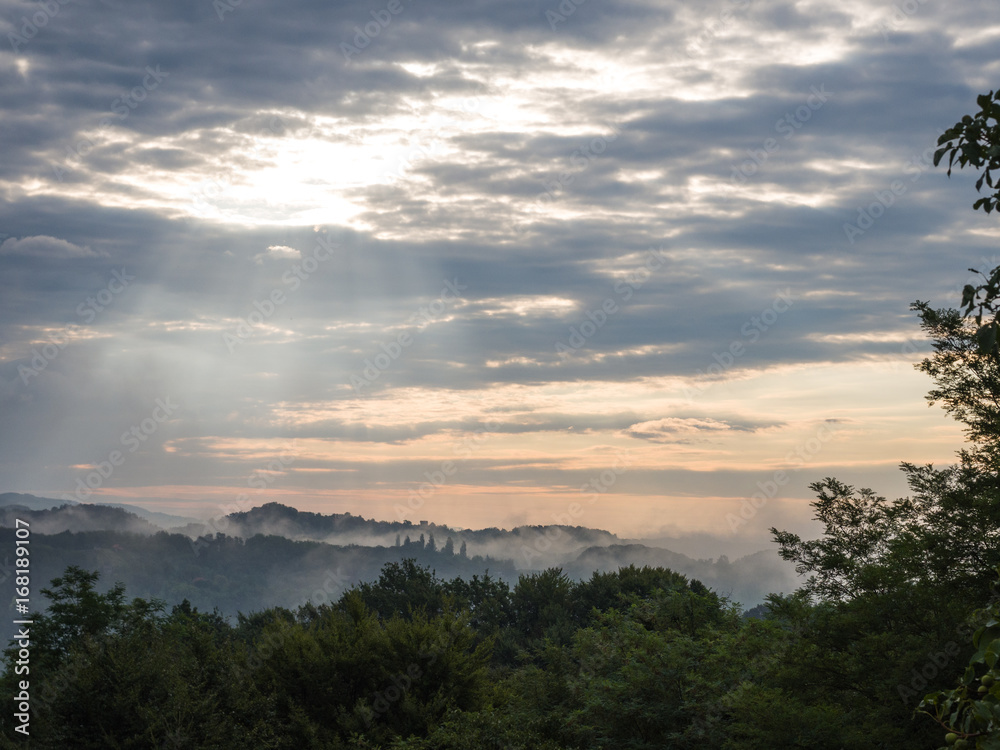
[982, 713]
[986, 635]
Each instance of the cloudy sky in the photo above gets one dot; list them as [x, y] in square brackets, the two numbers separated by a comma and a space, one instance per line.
[454, 261]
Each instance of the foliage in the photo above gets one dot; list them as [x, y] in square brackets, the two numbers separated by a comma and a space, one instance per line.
[970, 714]
[404, 661]
[974, 141]
[967, 385]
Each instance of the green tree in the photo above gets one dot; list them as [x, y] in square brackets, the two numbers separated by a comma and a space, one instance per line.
[77, 611]
[542, 606]
[893, 581]
[118, 675]
[486, 599]
[970, 713]
[691, 603]
[966, 369]
[403, 588]
[350, 674]
[974, 141]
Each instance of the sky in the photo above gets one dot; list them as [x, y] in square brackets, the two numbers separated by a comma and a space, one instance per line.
[614, 263]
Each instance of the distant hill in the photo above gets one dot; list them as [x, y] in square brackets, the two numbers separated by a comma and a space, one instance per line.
[79, 517]
[233, 575]
[33, 502]
[530, 547]
[30, 501]
[163, 520]
[701, 545]
[746, 580]
[184, 563]
[299, 525]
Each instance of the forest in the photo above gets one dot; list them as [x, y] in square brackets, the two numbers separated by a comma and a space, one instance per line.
[892, 641]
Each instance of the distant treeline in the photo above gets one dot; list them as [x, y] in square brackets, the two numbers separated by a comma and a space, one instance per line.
[226, 573]
[238, 563]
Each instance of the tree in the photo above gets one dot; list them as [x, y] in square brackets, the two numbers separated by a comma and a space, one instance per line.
[974, 142]
[913, 568]
[634, 684]
[77, 611]
[618, 588]
[967, 382]
[109, 674]
[965, 367]
[351, 674]
[939, 540]
[402, 589]
[486, 599]
[894, 580]
[542, 606]
[951, 517]
[970, 712]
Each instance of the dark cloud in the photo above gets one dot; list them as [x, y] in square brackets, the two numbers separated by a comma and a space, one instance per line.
[42, 247]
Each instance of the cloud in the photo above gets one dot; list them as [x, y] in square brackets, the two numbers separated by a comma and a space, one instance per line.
[681, 430]
[278, 252]
[537, 164]
[45, 247]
